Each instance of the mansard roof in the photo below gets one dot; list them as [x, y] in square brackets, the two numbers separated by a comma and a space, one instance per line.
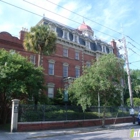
[95, 44]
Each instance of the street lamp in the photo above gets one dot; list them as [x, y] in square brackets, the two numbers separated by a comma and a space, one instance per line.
[67, 81]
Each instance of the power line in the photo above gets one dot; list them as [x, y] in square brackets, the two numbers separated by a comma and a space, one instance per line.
[132, 40]
[133, 51]
[134, 65]
[65, 17]
[82, 16]
[21, 8]
[134, 46]
[89, 19]
[131, 55]
[49, 11]
[134, 62]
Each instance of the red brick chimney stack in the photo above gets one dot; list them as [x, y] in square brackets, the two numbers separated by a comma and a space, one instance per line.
[22, 33]
[114, 46]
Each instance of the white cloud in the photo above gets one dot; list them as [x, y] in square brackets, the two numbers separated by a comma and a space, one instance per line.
[71, 6]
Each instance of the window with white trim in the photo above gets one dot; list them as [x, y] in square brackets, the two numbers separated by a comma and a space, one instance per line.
[88, 44]
[32, 59]
[65, 70]
[52, 27]
[65, 34]
[77, 55]
[103, 49]
[65, 52]
[76, 38]
[51, 90]
[77, 71]
[51, 67]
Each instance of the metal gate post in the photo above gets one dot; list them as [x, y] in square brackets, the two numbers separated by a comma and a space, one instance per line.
[14, 117]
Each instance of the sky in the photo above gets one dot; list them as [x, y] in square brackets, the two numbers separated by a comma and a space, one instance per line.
[109, 19]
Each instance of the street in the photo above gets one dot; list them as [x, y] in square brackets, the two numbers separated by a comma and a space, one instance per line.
[120, 134]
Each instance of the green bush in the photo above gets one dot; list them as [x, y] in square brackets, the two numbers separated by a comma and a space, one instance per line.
[136, 102]
[57, 113]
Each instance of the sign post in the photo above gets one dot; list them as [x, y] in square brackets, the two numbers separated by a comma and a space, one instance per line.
[132, 113]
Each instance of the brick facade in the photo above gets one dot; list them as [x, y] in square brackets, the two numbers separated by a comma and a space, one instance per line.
[8, 42]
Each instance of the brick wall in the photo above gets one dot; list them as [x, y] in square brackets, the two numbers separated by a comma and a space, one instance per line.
[33, 126]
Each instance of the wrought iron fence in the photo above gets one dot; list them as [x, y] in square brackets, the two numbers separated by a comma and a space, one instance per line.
[31, 113]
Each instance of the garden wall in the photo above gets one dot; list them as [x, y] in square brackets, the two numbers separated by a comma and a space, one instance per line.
[46, 125]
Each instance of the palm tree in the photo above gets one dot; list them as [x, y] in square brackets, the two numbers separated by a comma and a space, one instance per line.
[41, 39]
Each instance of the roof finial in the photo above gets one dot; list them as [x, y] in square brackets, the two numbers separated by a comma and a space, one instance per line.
[83, 21]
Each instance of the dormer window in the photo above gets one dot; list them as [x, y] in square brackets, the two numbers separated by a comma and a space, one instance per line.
[53, 28]
[88, 44]
[65, 34]
[70, 36]
[59, 32]
[107, 49]
[104, 49]
[76, 38]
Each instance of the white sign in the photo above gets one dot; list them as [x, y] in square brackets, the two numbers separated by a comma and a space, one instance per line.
[132, 111]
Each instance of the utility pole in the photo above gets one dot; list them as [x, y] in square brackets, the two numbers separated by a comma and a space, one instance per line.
[132, 113]
[128, 73]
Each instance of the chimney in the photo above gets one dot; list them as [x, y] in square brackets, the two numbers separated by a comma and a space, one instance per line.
[113, 44]
[22, 33]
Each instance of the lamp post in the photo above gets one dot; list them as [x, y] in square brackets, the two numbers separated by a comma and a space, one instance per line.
[66, 100]
[68, 81]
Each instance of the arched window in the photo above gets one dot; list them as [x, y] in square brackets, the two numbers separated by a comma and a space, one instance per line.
[93, 46]
[70, 36]
[81, 41]
[59, 32]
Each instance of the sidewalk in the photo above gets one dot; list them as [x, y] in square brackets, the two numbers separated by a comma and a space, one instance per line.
[51, 133]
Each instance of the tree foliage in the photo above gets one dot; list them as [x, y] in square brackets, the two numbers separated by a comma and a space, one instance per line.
[41, 39]
[103, 78]
[135, 84]
[18, 79]
[136, 102]
[135, 79]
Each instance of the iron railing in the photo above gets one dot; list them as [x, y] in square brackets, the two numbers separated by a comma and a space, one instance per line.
[31, 113]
